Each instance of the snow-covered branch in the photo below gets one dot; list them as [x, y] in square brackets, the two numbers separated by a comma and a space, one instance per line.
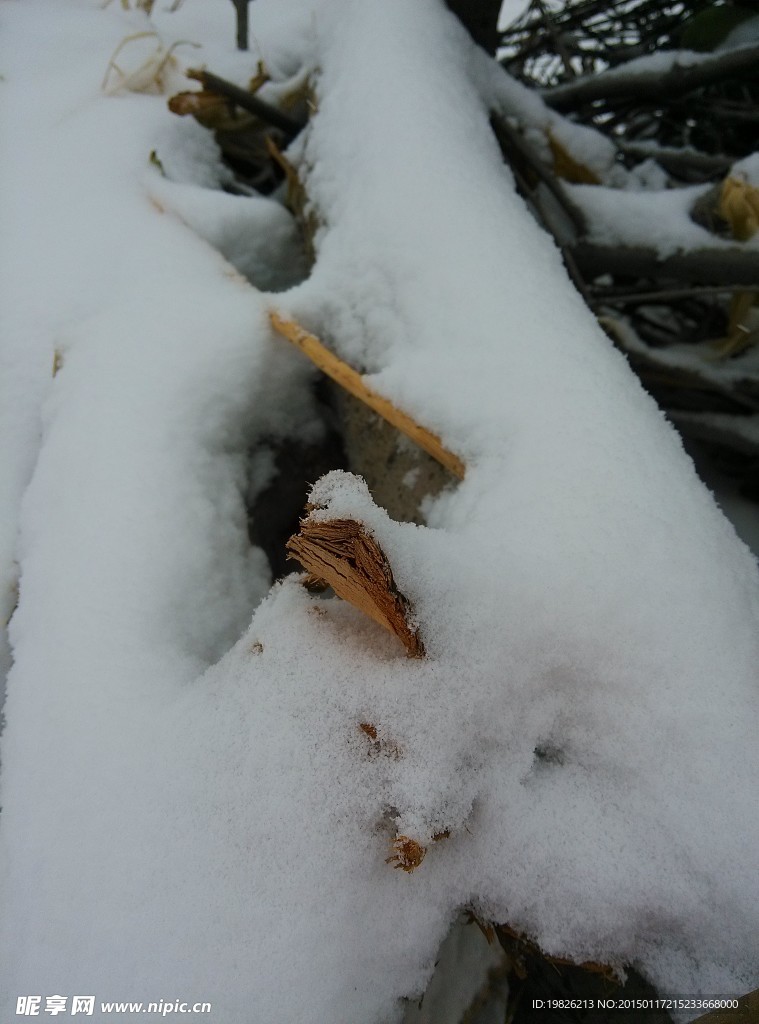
[652, 78]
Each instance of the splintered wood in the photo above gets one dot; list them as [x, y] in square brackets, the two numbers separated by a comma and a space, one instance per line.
[341, 552]
[353, 382]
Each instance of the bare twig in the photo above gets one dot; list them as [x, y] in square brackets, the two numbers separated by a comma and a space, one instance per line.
[247, 101]
[556, 38]
[729, 266]
[630, 298]
[679, 161]
[241, 9]
[701, 380]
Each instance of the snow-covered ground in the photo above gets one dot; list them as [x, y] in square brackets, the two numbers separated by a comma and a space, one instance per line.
[189, 808]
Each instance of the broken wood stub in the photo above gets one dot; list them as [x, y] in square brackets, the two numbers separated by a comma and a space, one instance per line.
[343, 554]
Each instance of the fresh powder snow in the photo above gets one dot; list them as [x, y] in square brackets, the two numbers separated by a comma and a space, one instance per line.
[190, 809]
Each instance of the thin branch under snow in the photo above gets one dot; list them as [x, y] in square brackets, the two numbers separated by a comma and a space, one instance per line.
[636, 81]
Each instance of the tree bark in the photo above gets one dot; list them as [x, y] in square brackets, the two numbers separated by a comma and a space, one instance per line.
[241, 7]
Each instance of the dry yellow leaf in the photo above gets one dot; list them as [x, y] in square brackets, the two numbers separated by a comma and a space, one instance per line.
[739, 206]
[260, 78]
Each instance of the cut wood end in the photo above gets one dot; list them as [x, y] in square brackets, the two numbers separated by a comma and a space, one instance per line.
[344, 555]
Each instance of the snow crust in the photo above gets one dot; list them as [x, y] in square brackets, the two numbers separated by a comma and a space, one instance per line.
[190, 808]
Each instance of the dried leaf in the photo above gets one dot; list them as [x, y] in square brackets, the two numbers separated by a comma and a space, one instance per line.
[211, 110]
[296, 199]
[407, 854]
[739, 206]
[260, 78]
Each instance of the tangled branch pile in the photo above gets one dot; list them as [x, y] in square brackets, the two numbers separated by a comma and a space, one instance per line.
[665, 256]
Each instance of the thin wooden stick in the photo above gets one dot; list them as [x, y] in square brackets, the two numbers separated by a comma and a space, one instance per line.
[247, 101]
[353, 382]
[630, 298]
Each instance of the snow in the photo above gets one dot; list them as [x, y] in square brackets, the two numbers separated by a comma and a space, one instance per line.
[661, 62]
[511, 10]
[463, 981]
[514, 100]
[190, 808]
[657, 219]
[743, 433]
[741, 511]
[257, 236]
[703, 362]
[747, 32]
[748, 169]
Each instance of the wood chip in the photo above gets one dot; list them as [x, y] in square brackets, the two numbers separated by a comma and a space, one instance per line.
[343, 554]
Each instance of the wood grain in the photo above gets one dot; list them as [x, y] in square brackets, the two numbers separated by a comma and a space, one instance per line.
[344, 555]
